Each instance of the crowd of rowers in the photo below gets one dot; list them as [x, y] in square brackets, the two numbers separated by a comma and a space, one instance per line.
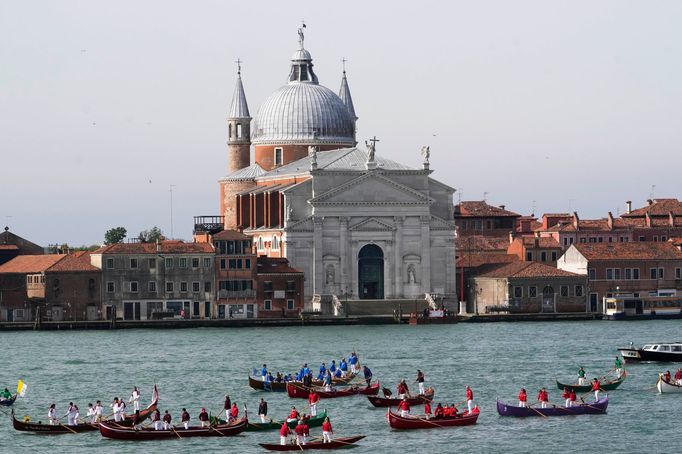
[326, 374]
[668, 378]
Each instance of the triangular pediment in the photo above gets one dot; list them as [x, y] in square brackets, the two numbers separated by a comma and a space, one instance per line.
[372, 225]
[372, 188]
[304, 225]
[441, 224]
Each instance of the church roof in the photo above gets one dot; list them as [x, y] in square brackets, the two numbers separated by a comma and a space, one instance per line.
[247, 173]
[341, 159]
[344, 94]
[239, 108]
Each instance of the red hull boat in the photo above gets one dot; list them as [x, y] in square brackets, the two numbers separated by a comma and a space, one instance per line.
[296, 390]
[388, 402]
[336, 443]
[110, 430]
[415, 422]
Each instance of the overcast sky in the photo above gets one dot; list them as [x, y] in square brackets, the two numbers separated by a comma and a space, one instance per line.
[542, 105]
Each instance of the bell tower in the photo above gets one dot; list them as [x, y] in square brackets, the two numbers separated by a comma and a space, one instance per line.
[239, 128]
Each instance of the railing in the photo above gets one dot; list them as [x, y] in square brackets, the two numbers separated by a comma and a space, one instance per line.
[223, 294]
[210, 224]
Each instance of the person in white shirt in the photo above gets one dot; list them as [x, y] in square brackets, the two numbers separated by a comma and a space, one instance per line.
[135, 399]
[97, 417]
[52, 415]
[76, 415]
[122, 406]
[91, 413]
[70, 415]
[116, 408]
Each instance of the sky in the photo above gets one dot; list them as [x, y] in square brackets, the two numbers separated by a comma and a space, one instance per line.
[543, 106]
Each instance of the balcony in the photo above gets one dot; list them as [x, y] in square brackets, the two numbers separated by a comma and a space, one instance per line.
[209, 224]
[225, 294]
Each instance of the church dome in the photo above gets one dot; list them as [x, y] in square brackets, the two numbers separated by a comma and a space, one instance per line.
[303, 111]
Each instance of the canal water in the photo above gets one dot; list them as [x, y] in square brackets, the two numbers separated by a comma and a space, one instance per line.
[197, 367]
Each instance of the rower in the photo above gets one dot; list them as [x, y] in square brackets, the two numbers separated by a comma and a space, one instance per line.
[308, 380]
[678, 376]
[284, 432]
[5, 394]
[402, 389]
[52, 414]
[116, 409]
[300, 433]
[566, 395]
[323, 371]
[70, 415]
[156, 419]
[135, 399]
[523, 398]
[666, 376]
[572, 397]
[264, 372]
[234, 413]
[184, 418]
[439, 412]
[420, 381]
[167, 420]
[137, 420]
[368, 374]
[262, 409]
[327, 431]
[122, 406]
[270, 378]
[306, 369]
[581, 376]
[227, 405]
[453, 411]
[332, 367]
[91, 413]
[470, 399]
[404, 407]
[354, 362]
[543, 398]
[343, 367]
[98, 411]
[328, 381]
[293, 416]
[313, 399]
[203, 417]
[427, 409]
[618, 365]
[596, 387]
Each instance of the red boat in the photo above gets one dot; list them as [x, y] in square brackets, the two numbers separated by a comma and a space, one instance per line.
[417, 422]
[336, 443]
[297, 390]
[389, 402]
[112, 430]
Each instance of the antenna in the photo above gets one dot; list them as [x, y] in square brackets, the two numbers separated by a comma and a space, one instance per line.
[651, 194]
[170, 189]
[239, 65]
[343, 63]
[485, 195]
[459, 195]
[533, 209]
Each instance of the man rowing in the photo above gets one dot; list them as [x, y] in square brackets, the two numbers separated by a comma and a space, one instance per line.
[322, 372]
[543, 398]
[156, 419]
[327, 431]
[420, 381]
[327, 383]
[167, 419]
[293, 416]
[308, 380]
[343, 367]
[300, 431]
[52, 415]
[439, 412]
[581, 376]
[566, 395]
[284, 432]
[618, 366]
[572, 397]
[523, 398]
[135, 399]
[5, 395]
[367, 374]
[234, 413]
[91, 413]
[427, 409]
[404, 407]
[313, 399]
[667, 376]
[264, 372]
[262, 410]
[354, 362]
[203, 417]
[117, 410]
[678, 376]
[227, 405]
[596, 387]
[470, 399]
[402, 390]
[184, 418]
[99, 410]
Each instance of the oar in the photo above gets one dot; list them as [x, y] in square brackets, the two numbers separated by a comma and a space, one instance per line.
[68, 428]
[537, 411]
[175, 432]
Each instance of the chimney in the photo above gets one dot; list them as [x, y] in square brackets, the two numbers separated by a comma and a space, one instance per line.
[609, 221]
[671, 219]
[536, 240]
[511, 237]
[629, 205]
[576, 220]
[650, 202]
[158, 246]
[502, 207]
[648, 219]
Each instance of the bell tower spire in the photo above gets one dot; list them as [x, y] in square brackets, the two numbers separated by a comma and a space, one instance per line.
[239, 127]
[344, 94]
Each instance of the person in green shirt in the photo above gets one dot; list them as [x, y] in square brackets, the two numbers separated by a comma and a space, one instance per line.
[619, 367]
[6, 394]
[581, 376]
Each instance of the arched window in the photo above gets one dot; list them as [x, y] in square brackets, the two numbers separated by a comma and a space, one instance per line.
[275, 242]
[229, 130]
[239, 130]
[260, 243]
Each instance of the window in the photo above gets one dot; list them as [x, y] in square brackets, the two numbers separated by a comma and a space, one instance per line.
[151, 286]
[275, 243]
[553, 256]
[133, 286]
[110, 264]
[591, 274]
[543, 256]
[592, 240]
[532, 292]
[183, 262]
[152, 264]
[563, 290]
[616, 273]
[196, 287]
[207, 286]
[635, 274]
[183, 287]
[529, 256]
[290, 305]
[195, 262]
[133, 263]
[169, 287]
[578, 290]
[609, 274]
[610, 239]
[207, 262]
[260, 243]
[278, 156]
[267, 286]
[110, 287]
[247, 264]
[628, 274]
[267, 305]
[233, 264]
[223, 263]
[239, 130]
[678, 273]
[641, 238]
[600, 240]
[655, 238]
[169, 262]
[290, 286]
[660, 273]
[664, 238]
[565, 241]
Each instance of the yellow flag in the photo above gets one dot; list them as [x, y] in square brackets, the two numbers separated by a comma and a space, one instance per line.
[21, 388]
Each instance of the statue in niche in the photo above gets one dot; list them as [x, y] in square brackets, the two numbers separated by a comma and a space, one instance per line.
[411, 274]
[290, 213]
[330, 275]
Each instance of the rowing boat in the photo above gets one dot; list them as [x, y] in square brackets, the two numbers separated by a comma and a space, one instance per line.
[389, 402]
[420, 422]
[593, 408]
[667, 386]
[267, 385]
[313, 421]
[606, 385]
[109, 430]
[8, 402]
[297, 390]
[336, 443]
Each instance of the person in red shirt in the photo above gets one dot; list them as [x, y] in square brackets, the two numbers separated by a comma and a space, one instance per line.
[402, 389]
[293, 416]
[313, 399]
[572, 397]
[453, 410]
[300, 433]
[234, 413]
[284, 432]
[203, 417]
[678, 376]
[543, 398]
[327, 431]
[666, 376]
[596, 387]
[566, 395]
[470, 399]
[427, 409]
[404, 408]
[439, 411]
[523, 398]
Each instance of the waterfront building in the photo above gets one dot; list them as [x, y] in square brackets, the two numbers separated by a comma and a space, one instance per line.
[568, 229]
[535, 248]
[360, 226]
[527, 287]
[169, 278]
[659, 220]
[476, 217]
[625, 269]
[57, 286]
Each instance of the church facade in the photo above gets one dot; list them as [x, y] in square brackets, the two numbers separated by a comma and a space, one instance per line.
[358, 224]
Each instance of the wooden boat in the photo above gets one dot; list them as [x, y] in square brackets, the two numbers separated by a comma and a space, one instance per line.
[112, 430]
[43, 428]
[589, 408]
[297, 390]
[313, 421]
[606, 385]
[389, 402]
[419, 422]
[667, 387]
[336, 443]
[8, 402]
[267, 386]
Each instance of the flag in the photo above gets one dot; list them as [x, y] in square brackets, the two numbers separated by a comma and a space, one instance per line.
[22, 388]
[155, 394]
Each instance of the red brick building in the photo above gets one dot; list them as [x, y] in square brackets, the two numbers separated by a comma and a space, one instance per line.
[479, 218]
[12, 245]
[535, 249]
[659, 220]
[280, 288]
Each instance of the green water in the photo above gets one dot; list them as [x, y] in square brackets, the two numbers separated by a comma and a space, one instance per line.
[196, 367]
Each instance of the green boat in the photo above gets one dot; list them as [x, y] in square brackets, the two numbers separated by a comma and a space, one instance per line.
[313, 421]
[606, 385]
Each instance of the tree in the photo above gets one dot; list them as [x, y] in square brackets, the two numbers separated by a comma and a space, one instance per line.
[151, 236]
[115, 235]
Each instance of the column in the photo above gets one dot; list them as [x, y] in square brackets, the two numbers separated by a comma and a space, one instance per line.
[343, 254]
[426, 253]
[389, 271]
[398, 257]
[318, 266]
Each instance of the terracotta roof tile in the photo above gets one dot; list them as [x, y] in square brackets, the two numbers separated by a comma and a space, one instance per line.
[230, 235]
[629, 251]
[164, 247]
[476, 260]
[546, 242]
[269, 265]
[480, 209]
[26, 264]
[8, 247]
[658, 207]
[73, 263]
[525, 270]
[482, 243]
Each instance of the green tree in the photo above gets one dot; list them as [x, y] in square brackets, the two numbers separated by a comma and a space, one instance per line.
[151, 236]
[115, 235]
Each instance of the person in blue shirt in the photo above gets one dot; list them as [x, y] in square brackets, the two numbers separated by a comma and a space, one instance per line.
[306, 369]
[323, 371]
[328, 381]
[338, 373]
[332, 367]
[344, 367]
[264, 372]
[368, 374]
[353, 361]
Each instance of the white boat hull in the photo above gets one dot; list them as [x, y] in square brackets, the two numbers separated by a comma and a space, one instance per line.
[665, 387]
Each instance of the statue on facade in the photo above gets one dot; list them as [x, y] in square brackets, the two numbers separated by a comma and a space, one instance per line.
[426, 154]
[370, 151]
[411, 274]
[312, 152]
[290, 213]
[330, 275]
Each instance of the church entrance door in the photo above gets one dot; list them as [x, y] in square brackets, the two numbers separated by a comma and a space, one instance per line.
[371, 272]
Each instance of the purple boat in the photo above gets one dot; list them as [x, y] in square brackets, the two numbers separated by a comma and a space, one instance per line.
[588, 408]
